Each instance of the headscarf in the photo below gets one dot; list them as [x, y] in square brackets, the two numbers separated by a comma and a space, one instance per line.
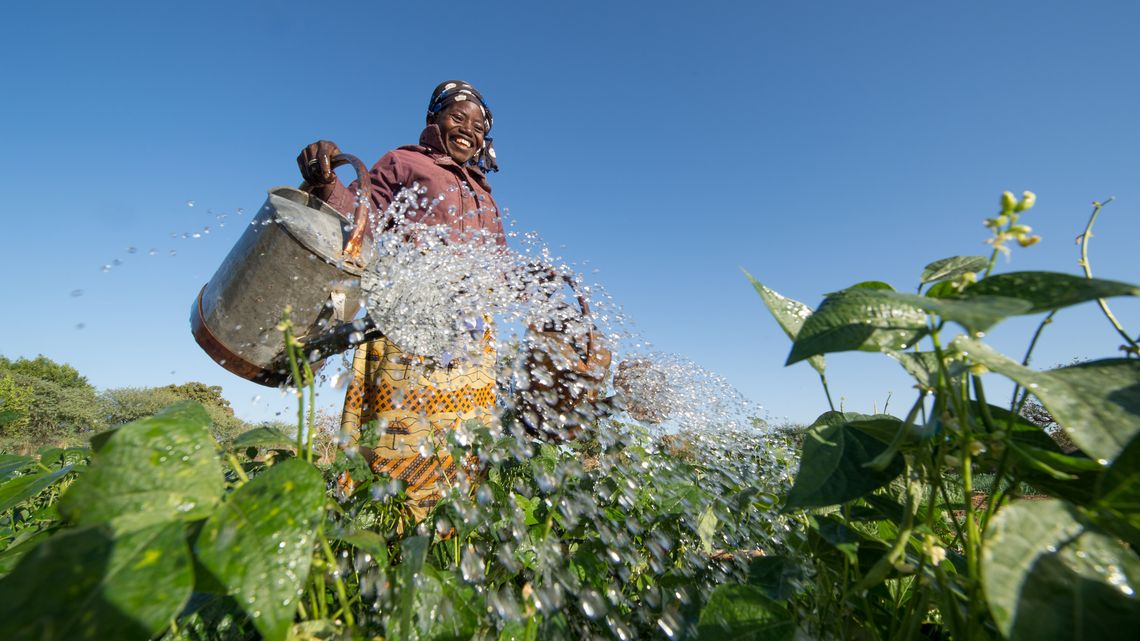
[453, 91]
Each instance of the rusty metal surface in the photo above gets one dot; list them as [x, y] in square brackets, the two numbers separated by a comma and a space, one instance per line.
[292, 255]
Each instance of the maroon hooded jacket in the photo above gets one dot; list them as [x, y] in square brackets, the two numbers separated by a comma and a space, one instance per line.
[453, 195]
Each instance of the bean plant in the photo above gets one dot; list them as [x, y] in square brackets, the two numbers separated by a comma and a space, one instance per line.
[962, 519]
[896, 537]
[159, 532]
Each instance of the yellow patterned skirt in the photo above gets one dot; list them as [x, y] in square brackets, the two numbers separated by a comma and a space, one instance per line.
[415, 403]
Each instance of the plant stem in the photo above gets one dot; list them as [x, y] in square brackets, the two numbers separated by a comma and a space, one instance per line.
[341, 593]
[826, 391]
[311, 384]
[1084, 263]
[993, 261]
[237, 467]
[1025, 361]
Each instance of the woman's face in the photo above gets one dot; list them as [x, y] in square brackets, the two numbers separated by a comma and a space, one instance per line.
[462, 127]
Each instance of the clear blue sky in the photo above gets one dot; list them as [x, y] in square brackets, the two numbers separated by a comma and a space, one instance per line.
[665, 144]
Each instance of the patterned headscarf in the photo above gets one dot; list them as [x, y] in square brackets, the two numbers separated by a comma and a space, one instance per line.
[453, 91]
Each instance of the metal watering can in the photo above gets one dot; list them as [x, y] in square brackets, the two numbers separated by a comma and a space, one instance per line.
[298, 252]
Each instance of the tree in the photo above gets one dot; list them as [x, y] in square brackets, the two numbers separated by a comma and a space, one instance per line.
[45, 369]
[63, 403]
[204, 394]
[15, 405]
[125, 404]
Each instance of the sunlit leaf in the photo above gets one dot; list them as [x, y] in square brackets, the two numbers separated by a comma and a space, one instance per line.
[952, 267]
[446, 608]
[259, 542]
[85, 584]
[1047, 576]
[706, 529]
[1097, 403]
[413, 552]
[370, 542]
[789, 314]
[263, 437]
[1049, 290]
[859, 319]
[744, 612]
[155, 469]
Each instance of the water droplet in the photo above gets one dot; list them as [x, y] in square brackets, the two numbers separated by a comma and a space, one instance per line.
[189, 203]
[76, 293]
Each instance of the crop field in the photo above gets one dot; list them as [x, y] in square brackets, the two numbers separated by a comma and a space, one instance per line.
[965, 517]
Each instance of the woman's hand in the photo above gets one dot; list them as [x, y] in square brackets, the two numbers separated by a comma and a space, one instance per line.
[315, 162]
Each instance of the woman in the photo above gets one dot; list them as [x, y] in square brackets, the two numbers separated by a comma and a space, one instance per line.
[414, 404]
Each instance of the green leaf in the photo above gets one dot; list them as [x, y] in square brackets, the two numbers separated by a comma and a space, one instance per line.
[1097, 403]
[744, 612]
[706, 529]
[780, 577]
[22, 488]
[87, 584]
[370, 542]
[976, 314]
[413, 552]
[11, 463]
[923, 366]
[263, 437]
[259, 543]
[872, 284]
[952, 267]
[447, 609]
[789, 314]
[1049, 290]
[153, 470]
[858, 319]
[1118, 501]
[1047, 576]
[833, 467]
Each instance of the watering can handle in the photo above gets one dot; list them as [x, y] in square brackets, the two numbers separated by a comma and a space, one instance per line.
[360, 217]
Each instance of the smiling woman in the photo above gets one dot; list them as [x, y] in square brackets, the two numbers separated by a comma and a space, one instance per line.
[414, 405]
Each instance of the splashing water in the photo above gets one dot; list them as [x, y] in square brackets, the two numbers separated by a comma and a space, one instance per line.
[656, 485]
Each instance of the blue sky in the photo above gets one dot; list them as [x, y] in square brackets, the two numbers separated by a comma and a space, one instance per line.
[664, 144]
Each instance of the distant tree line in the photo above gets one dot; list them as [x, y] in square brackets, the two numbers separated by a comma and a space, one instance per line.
[44, 403]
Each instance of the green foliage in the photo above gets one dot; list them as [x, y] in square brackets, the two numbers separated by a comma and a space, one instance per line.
[858, 319]
[126, 404]
[746, 613]
[952, 268]
[834, 466]
[1047, 575]
[15, 405]
[258, 544]
[960, 520]
[925, 532]
[92, 583]
[208, 395]
[154, 470]
[45, 369]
